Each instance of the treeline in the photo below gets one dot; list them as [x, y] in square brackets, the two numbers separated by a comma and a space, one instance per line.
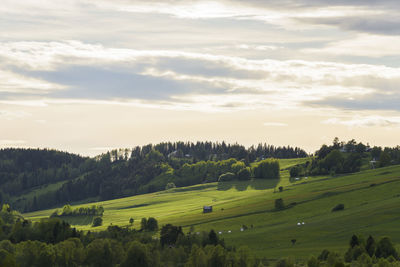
[118, 173]
[24, 169]
[347, 157]
[203, 151]
[52, 242]
[361, 252]
[67, 210]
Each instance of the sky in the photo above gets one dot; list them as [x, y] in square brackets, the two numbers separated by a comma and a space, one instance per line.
[88, 76]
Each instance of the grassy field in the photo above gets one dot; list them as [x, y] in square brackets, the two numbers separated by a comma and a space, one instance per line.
[371, 199]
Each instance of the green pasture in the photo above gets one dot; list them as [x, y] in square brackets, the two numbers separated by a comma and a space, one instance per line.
[371, 199]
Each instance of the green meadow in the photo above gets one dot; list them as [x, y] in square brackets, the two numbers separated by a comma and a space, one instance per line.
[371, 199]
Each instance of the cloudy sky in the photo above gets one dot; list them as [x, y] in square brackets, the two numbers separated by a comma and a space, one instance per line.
[85, 76]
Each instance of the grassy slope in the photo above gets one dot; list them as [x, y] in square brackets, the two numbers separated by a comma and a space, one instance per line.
[368, 210]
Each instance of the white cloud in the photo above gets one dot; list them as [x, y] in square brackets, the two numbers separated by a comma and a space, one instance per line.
[15, 83]
[366, 121]
[366, 45]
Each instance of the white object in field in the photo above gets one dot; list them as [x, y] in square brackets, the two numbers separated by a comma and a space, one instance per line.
[197, 233]
[302, 223]
[298, 223]
[229, 231]
[306, 177]
[241, 229]
[219, 232]
[297, 179]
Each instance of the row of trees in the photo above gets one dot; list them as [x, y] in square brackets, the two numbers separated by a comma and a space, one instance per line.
[265, 169]
[67, 210]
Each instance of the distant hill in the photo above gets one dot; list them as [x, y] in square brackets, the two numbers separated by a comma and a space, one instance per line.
[33, 179]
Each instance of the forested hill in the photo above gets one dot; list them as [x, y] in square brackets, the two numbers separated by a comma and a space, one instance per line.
[32, 179]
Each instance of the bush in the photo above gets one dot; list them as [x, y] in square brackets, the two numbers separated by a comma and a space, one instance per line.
[226, 177]
[338, 207]
[98, 221]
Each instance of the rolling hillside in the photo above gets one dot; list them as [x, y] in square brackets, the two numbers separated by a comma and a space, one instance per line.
[371, 200]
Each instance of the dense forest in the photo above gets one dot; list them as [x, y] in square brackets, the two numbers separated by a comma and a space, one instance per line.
[32, 179]
[53, 242]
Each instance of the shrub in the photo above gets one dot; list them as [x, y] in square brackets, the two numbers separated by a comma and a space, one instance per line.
[338, 207]
[98, 221]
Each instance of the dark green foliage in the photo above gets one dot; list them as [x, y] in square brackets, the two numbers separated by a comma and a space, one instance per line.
[137, 255]
[338, 207]
[226, 177]
[104, 253]
[362, 251]
[324, 255]
[213, 238]
[354, 241]
[386, 249]
[279, 205]
[143, 224]
[149, 224]
[376, 152]
[7, 259]
[370, 246]
[384, 159]
[169, 234]
[313, 262]
[97, 221]
[244, 174]
[286, 262]
[267, 169]
[280, 189]
[296, 171]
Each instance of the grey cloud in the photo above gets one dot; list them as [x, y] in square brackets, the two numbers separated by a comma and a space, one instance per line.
[207, 68]
[320, 3]
[102, 83]
[376, 25]
[368, 102]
